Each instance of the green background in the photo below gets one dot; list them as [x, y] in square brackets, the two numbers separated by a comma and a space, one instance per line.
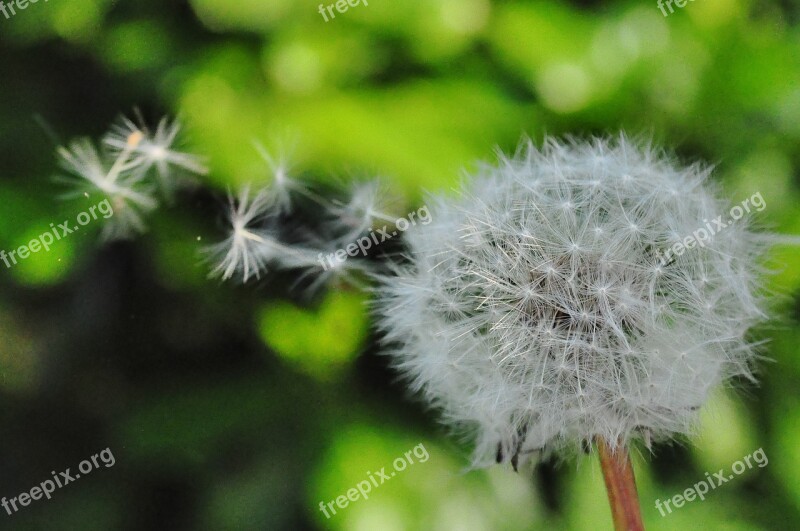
[243, 407]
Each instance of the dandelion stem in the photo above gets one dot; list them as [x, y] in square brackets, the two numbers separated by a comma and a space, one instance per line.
[621, 486]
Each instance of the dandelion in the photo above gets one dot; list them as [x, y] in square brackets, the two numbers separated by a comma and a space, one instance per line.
[535, 313]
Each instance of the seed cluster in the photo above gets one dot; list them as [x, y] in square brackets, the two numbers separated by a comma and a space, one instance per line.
[535, 309]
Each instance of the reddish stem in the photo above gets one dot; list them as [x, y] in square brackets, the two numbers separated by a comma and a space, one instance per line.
[621, 487]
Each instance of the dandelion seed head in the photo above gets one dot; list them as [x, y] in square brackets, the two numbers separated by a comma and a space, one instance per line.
[535, 312]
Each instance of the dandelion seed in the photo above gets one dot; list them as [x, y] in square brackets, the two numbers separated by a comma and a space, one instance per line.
[252, 244]
[282, 186]
[121, 172]
[90, 173]
[248, 248]
[366, 206]
[154, 150]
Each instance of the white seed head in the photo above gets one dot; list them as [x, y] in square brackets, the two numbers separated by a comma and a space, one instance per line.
[535, 311]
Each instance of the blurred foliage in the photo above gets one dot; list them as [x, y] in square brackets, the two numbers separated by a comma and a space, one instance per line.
[317, 342]
[243, 407]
